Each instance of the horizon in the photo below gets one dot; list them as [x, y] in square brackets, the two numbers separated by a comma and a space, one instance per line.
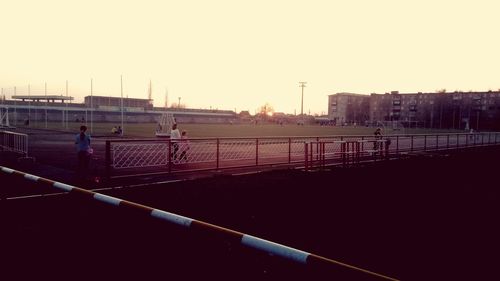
[240, 56]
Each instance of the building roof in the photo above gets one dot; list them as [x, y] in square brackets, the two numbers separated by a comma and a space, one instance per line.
[348, 94]
[43, 97]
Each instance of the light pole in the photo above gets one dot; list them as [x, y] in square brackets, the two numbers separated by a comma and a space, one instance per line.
[179, 104]
[302, 85]
[121, 102]
[46, 101]
[91, 107]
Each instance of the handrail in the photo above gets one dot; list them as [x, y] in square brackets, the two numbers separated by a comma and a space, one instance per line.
[220, 153]
[16, 142]
[154, 139]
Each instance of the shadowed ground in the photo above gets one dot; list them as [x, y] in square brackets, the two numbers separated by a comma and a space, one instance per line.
[428, 218]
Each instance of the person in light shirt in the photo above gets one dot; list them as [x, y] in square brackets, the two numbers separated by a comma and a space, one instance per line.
[175, 136]
[184, 147]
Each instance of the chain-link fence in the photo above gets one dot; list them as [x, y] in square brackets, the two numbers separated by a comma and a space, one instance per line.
[219, 153]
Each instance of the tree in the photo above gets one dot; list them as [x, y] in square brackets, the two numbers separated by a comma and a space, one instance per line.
[265, 110]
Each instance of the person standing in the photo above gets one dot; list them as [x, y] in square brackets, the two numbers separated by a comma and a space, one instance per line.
[378, 136]
[84, 151]
[175, 136]
[184, 146]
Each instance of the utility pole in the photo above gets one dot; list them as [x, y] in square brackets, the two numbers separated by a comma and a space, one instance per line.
[29, 103]
[91, 107]
[166, 98]
[440, 115]
[179, 104]
[150, 91]
[67, 95]
[477, 119]
[453, 122]
[121, 91]
[432, 115]
[15, 105]
[302, 85]
[46, 101]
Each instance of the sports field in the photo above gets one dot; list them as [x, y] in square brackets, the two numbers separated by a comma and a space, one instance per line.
[146, 130]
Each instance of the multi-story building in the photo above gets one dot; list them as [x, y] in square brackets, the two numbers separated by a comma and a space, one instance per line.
[457, 110]
[348, 108]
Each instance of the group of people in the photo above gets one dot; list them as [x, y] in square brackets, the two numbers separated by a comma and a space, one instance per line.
[117, 131]
[180, 145]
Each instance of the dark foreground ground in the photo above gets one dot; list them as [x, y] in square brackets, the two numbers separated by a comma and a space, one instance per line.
[426, 218]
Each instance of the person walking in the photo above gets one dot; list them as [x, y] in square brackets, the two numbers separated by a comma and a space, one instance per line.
[184, 146]
[175, 136]
[84, 152]
[378, 137]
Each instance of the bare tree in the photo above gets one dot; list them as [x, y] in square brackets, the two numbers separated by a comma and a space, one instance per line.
[266, 110]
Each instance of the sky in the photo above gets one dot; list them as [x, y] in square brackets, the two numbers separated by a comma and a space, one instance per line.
[239, 55]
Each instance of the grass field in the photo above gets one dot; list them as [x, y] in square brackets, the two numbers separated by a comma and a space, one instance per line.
[235, 130]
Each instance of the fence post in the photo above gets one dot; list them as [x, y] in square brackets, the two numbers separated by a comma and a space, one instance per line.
[397, 145]
[311, 155]
[324, 157]
[306, 156]
[217, 155]
[437, 142]
[169, 158]
[317, 148]
[343, 152]
[256, 152]
[321, 152]
[26, 144]
[107, 160]
[411, 144]
[289, 150]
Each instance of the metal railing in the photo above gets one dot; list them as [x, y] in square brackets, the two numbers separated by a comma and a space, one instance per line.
[164, 155]
[16, 142]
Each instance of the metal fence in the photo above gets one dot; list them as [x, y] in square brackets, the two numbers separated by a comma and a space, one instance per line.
[151, 155]
[16, 142]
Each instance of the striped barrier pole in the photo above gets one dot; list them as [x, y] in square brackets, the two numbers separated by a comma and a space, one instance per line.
[257, 243]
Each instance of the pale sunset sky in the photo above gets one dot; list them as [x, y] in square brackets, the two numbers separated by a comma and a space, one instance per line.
[241, 54]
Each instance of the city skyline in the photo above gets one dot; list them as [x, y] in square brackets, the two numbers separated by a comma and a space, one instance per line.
[227, 55]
